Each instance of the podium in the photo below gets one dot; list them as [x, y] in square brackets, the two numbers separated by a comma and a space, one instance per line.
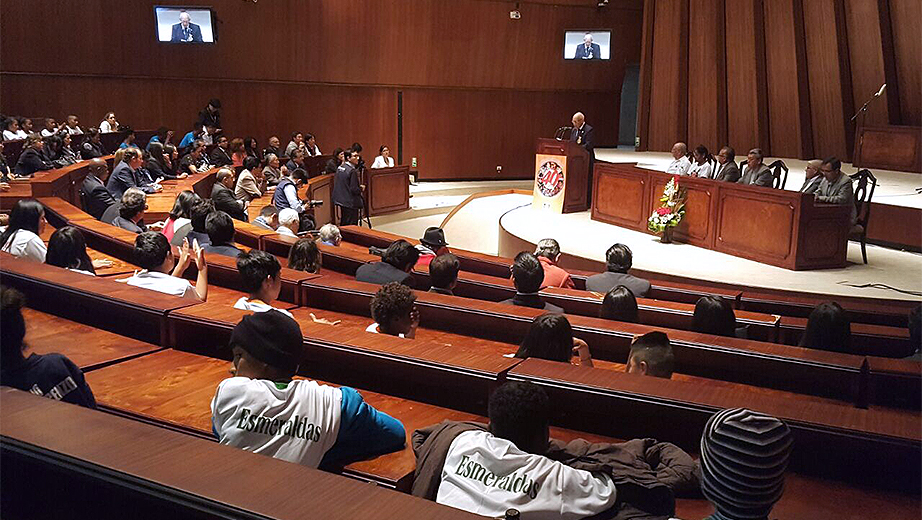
[561, 176]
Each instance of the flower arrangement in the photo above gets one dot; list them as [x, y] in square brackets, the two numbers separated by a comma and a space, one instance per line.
[672, 210]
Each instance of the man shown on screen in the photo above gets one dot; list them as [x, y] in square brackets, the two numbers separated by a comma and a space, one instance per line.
[586, 51]
[186, 31]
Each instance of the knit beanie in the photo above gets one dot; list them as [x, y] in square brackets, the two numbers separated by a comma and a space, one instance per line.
[743, 458]
[271, 337]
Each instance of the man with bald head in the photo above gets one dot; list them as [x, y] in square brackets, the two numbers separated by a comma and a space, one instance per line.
[185, 30]
[585, 137]
[680, 163]
[813, 177]
[95, 195]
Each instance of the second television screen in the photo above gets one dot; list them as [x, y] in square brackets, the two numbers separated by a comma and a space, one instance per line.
[587, 45]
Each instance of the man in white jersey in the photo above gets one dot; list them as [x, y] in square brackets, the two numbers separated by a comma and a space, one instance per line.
[264, 410]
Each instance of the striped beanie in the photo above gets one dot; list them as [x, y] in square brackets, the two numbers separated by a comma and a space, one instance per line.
[743, 458]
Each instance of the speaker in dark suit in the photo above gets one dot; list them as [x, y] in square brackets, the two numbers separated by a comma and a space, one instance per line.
[185, 30]
[588, 50]
[584, 136]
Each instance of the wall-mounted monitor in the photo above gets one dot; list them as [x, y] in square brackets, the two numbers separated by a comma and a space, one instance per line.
[587, 45]
[184, 25]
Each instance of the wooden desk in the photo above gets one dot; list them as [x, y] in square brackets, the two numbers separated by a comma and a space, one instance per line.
[387, 190]
[60, 212]
[19, 190]
[160, 204]
[321, 188]
[250, 235]
[222, 272]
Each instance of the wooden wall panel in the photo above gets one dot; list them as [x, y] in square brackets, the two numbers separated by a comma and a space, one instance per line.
[742, 87]
[825, 85]
[665, 95]
[904, 19]
[704, 53]
[866, 57]
[784, 78]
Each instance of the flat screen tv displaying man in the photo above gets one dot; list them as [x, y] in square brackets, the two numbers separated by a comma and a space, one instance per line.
[184, 25]
[587, 45]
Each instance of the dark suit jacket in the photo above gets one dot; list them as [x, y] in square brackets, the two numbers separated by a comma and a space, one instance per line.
[225, 249]
[730, 172]
[534, 301]
[583, 54]
[30, 162]
[220, 157]
[585, 137]
[177, 33]
[224, 200]
[346, 190]
[122, 178]
[96, 196]
[124, 223]
[604, 282]
[382, 273]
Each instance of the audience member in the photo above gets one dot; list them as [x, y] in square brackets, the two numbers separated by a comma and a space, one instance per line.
[250, 183]
[395, 266]
[812, 177]
[157, 164]
[296, 143]
[259, 275]
[196, 232]
[21, 237]
[273, 148]
[171, 162]
[305, 256]
[286, 193]
[714, 315]
[25, 127]
[296, 160]
[131, 211]
[527, 276]
[357, 148]
[384, 159]
[310, 145]
[394, 310]
[194, 161]
[251, 148]
[220, 156]
[828, 328]
[92, 145]
[619, 304]
[289, 222]
[701, 166]
[188, 139]
[67, 250]
[162, 136]
[222, 194]
[11, 130]
[268, 218]
[651, 355]
[129, 139]
[125, 175]
[431, 245]
[680, 163]
[443, 274]
[755, 172]
[209, 134]
[32, 159]
[550, 337]
[339, 156]
[330, 235]
[220, 228]
[211, 114]
[67, 155]
[51, 127]
[238, 153]
[836, 187]
[49, 375]
[96, 197]
[328, 427]
[619, 259]
[347, 192]
[271, 169]
[727, 170]
[915, 333]
[72, 126]
[181, 214]
[548, 253]
[160, 270]
[744, 455]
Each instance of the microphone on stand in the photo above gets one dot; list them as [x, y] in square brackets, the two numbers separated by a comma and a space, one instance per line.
[881, 91]
[562, 131]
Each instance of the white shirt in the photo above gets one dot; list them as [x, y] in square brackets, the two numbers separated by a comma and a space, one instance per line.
[296, 421]
[487, 475]
[206, 137]
[26, 244]
[164, 283]
[48, 133]
[679, 166]
[105, 127]
[247, 304]
[701, 170]
[73, 131]
[282, 230]
[11, 136]
[316, 151]
[381, 163]
[373, 328]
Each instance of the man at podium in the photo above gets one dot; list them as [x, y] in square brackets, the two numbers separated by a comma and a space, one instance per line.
[583, 135]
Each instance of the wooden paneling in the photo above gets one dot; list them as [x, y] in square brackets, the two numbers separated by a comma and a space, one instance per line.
[784, 78]
[867, 60]
[704, 54]
[904, 20]
[665, 95]
[742, 24]
[825, 90]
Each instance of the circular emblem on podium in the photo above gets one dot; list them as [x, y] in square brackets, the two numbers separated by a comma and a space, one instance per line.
[550, 178]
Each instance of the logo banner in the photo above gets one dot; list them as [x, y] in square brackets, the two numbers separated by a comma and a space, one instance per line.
[550, 180]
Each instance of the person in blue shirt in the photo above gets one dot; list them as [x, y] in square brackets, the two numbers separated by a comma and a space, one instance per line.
[129, 139]
[189, 138]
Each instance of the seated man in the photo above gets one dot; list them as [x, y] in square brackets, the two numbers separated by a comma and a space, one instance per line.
[395, 266]
[220, 156]
[222, 194]
[680, 163]
[651, 355]
[394, 311]
[220, 229]
[727, 170]
[286, 193]
[160, 271]
[295, 160]
[431, 245]
[195, 231]
[836, 187]
[131, 211]
[268, 218]
[95, 195]
[619, 259]
[330, 235]
[812, 177]
[92, 145]
[755, 172]
[125, 175]
[443, 273]
[548, 252]
[112, 212]
[527, 275]
[263, 409]
[259, 272]
[49, 375]
[289, 222]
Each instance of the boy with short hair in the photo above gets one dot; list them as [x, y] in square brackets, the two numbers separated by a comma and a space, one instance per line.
[443, 273]
[259, 272]
[394, 311]
[651, 355]
[264, 410]
[220, 228]
[160, 270]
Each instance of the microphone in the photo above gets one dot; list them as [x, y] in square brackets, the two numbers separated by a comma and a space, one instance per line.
[881, 91]
[562, 131]
[314, 203]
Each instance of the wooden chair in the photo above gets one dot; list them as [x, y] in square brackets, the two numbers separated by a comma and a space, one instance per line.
[863, 196]
[779, 181]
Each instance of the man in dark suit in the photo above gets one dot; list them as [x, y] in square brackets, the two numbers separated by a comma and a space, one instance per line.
[588, 50]
[527, 275]
[584, 136]
[727, 170]
[95, 195]
[222, 194]
[398, 260]
[812, 177]
[125, 175]
[619, 259]
[347, 192]
[185, 30]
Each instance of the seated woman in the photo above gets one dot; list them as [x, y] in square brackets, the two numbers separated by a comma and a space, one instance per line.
[828, 328]
[701, 163]
[272, 169]
[21, 237]
[180, 215]
[11, 130]
[384, 159]
[68, 154]
[108, 124]
[237, 151]
[92, 145]
[335, 161]
[171, 161]
[251, 184]
[160, 165]
[304, 256]
[33, 158]
[714, 315]
[551, 337]
[251, 147]
[619, 304]
[394, 310]
[67, 249]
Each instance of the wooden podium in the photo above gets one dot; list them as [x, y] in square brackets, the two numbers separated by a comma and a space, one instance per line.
[563, 184]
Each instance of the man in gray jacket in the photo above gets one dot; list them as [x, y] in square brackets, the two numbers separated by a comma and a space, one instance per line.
[812, 177]
[755, 172]
[836, 187]
[727, 170]
[619, 259]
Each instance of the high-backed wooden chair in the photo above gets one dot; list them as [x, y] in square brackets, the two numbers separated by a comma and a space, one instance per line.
[779, 174]
[865, 183]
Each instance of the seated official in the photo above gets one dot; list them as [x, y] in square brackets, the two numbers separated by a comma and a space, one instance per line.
[714, 315]
[339, 157]
[828, 328]
[220, 156]
[160, 270]
[259, 275]
[96, 197]
[548, 253]
[431, 245]
[220, 228]
[250, 182]
[286, 193]
[49, 375]
[222, 194]
[527, 276]
[394, 310]
[330, 235]
[67, 250]
[159, 164]
[755, 172]
[727, 170]
[304, 255]
[268, 218]
[619, 304]
[619, 259]
[347, 192]
[273, 148]
[296, 143]
[550, 337]
[92, 145]
[701, 163]
[181, 215]
[32, 159]
[812, 176]
[194, 161]
[318, 425]
[295, 160]
[21, 236]
[196, 231]
[443, 274]
[272, 171]
[125, 175]
[651, 355]
[289, 222]
[131, 211]
[398, 261]
[836, 187]
[108, 124]
[310, 145]
[384, 159]
[680, 163]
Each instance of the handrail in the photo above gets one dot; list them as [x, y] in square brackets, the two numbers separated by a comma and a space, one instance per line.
[478, 196]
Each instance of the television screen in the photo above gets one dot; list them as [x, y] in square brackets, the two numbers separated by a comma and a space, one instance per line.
[184, 24]
[587, 45]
